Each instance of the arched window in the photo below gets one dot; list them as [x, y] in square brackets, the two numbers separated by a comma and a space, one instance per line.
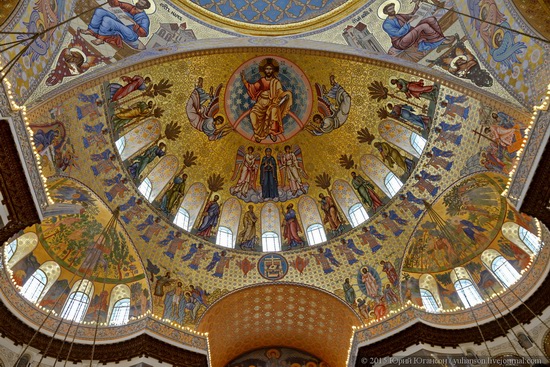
[139, 137]
[311, 218]
[465, 288]
[500, 268]
[224, 237]
[429, 293]
[25, 244]
[428, 300]
[418, 143]
[182, 219]
[119, 305]
[10, 250]
[229, 219]
[120, 145]
[504, 271]
[78, 301]
[345, 197]
[121, 312]
[161, 175]
[76, 306]
[270, 221]
[316, 234]
[400, 136]
[146, 188]
[393, 184]
[357, 215]
[532, 241]
[194, 200]
[468, 293]
[270, 242]
[34, 286]
[378, 173]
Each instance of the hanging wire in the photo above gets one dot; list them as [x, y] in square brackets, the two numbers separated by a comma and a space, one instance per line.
[78, 326]
[528, 308]
[51, 309]
[475, 319]
[486, 21]
[452, 238]
[96, 322]
[500, 326]
[30, 40]
[101, 238]
[515, 318]
[111, 227]
[57, 329]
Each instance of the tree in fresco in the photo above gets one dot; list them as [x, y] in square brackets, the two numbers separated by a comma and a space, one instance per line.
[75, 236]
[119, 257]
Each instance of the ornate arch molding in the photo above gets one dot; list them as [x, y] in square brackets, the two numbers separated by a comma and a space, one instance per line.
[17, 196]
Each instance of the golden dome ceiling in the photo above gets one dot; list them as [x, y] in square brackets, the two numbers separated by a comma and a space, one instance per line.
[198, 145]
[116, 131]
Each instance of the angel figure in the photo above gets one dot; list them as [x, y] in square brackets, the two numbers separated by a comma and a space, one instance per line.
[220, 261]
[331, 115]
[292, 169]
[77, 58]
[201, 110]
[246, 169]
[461, 62]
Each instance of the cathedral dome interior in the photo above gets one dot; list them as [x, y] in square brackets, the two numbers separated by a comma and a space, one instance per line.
[274, 182]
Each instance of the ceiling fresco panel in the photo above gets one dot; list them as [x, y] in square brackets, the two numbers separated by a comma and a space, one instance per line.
[466, 134]
[494, 59]
[237, 134]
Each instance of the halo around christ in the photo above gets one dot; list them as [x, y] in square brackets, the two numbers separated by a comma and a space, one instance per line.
[268, 99]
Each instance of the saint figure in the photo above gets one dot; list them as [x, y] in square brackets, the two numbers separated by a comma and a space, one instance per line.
[370, 283]
[365, 189]
[107, 27]
[291, 228]
[272, 102]
[247, 237]
[332, 215]
[141, 161]
[268, 176]
[426, 35]
[174, 195]
[291, 170]
[246, 168]
[210, 214]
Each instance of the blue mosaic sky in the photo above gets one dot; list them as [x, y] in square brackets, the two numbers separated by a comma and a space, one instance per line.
[269, 12]
[291, 81]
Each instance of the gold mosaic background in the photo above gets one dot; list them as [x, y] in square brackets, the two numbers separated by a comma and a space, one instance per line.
[321, 154]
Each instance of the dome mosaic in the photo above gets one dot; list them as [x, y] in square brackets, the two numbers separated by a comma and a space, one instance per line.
[192, 173]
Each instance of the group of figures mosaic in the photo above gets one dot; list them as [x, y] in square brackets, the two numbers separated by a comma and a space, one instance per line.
[427, 33]
[480, 48]
[277, 174]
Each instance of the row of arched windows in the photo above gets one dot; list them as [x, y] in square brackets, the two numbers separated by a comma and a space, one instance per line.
[464, 285]
[78, 301]
[270, 238]
[146, 133]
